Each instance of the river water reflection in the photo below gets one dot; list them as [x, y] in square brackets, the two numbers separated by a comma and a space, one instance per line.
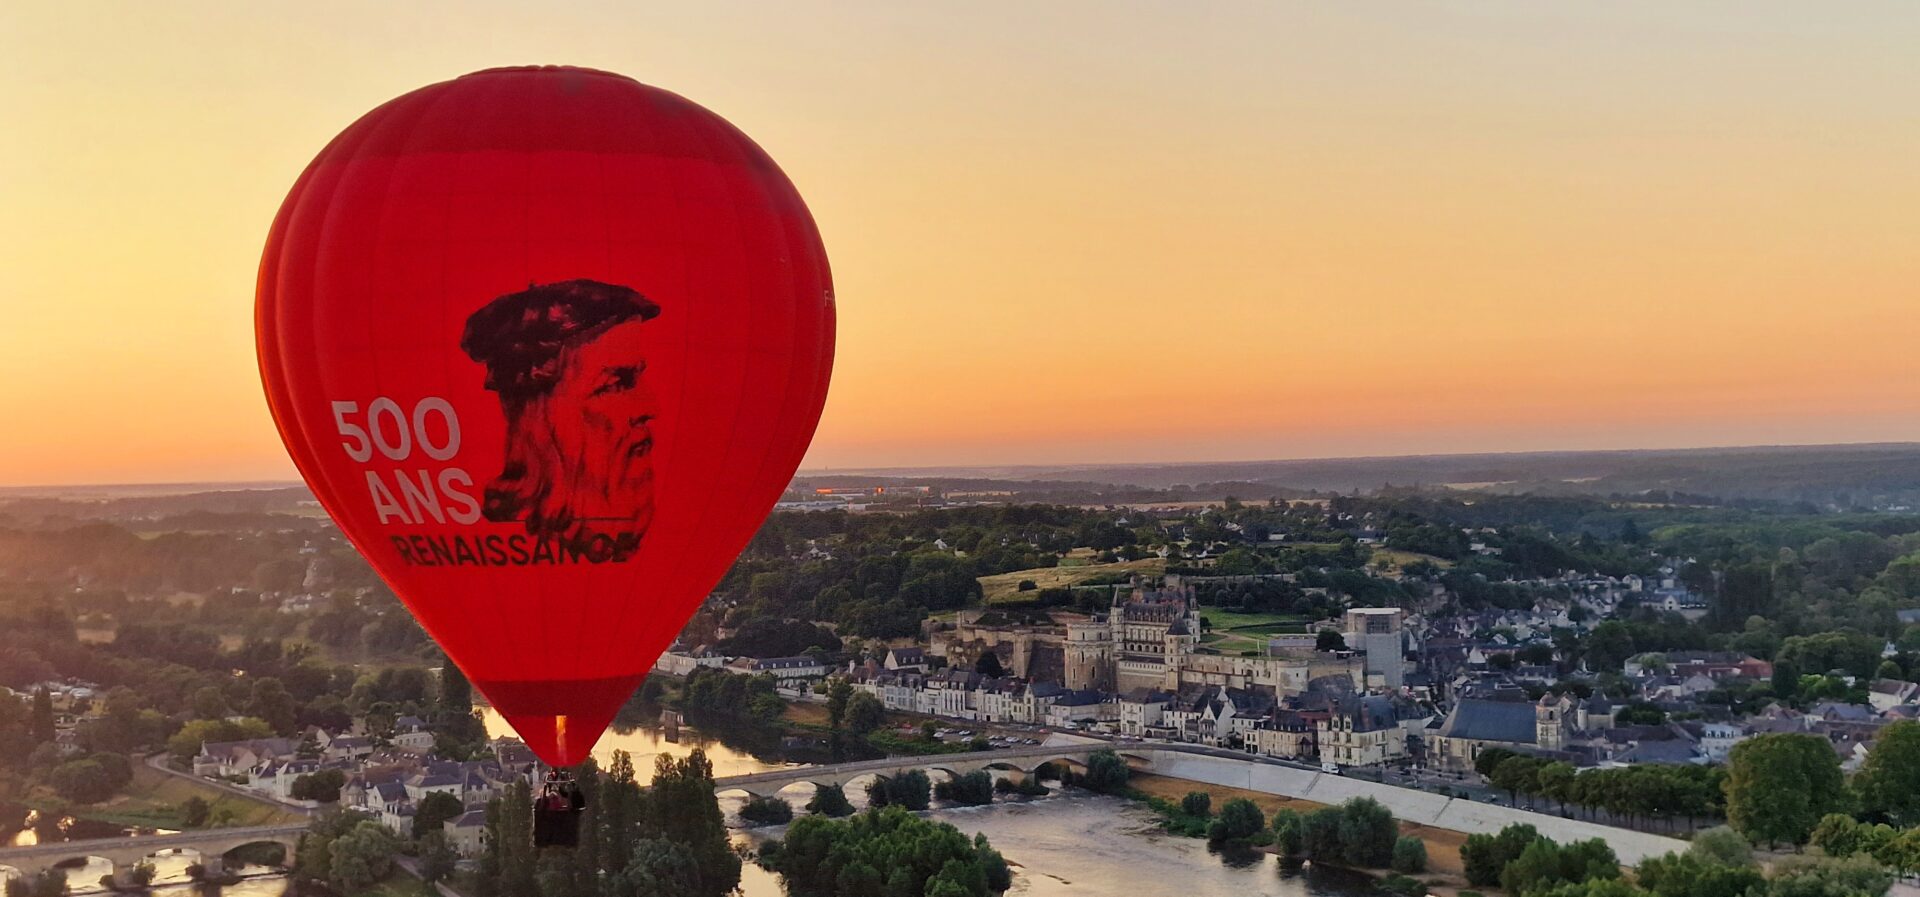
[648, 742]
[1067, 845]
[1081, 845]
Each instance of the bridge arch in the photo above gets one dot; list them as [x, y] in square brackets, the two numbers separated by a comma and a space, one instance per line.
[798, 793]
[263, 852]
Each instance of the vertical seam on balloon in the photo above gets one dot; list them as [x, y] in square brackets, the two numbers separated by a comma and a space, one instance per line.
[443, 246]
[688, 573]
[768, 450]
[413, 140]
[602, 585]
[328, 491]
[652, 95]
[525, 192]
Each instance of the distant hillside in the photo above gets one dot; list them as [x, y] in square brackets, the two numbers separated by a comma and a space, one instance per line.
[202, 506]
[1879, 475]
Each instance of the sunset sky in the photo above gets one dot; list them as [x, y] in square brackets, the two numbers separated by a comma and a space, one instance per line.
[1065, 232]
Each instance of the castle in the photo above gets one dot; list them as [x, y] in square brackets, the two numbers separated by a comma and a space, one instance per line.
[1149, 638]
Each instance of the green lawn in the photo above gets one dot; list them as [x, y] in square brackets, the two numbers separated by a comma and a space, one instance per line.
[1233, 644]
[1221, 620]
[153, 799]
[1395, 559]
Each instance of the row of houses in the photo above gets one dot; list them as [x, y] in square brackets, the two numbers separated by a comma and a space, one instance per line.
[387, 782]
[967, 695]
[1326, 723]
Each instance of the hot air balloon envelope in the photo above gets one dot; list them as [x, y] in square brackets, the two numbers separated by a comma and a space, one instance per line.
[548, 344]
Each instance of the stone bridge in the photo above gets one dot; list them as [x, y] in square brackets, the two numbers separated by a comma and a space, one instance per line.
[125, 853]
[1020, 759]
[1231, 769]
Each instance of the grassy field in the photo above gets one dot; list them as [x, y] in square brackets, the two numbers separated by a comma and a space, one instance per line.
[1222, 620]
[153, 799]
[1396, 560]
[1003, 586]
[1233, 644]
[1233, 632]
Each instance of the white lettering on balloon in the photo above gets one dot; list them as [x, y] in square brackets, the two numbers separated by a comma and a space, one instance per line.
[414, 495]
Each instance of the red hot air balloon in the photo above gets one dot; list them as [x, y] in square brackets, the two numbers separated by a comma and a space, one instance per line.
[548, 344]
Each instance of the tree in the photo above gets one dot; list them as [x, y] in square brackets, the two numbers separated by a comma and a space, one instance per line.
[194, 811]
[1409, 855]
[1330, 640]
[838, 694]
[910, 789]
[865, 713]
[437, 857]
[1289, 833]
[767, 811]
[362, 856]
[1239, 820]
[1825, 877]
[271, 702]
[433, 812]
[1490, 759]
[1320, 835]
[1838, 835]
[1609, 645]
[1106, 772]
[1778, 786]
[658, 867]
[1197, 803]
[507, 865]
[456, 693]
[1555, 780]
[1684, 875]
[40, 724]
[830, 800]
[1485, 856]
[973, 789]
[1367, 833]
[1721, 846]
[322, 786]
[1889, 781]
[1518, 775]
[680, 807]
[187, 742]
[1544, 864]
[91, 779]
[821, 857]
[313, 861]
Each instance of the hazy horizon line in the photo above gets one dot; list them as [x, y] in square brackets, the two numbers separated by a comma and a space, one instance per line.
[243, 485]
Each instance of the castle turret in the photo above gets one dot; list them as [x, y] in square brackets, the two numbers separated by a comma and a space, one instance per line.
[1550, 721]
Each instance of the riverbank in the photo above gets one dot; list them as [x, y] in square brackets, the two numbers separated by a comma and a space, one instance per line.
[1444, 867]
[1078, 844]
[155, 799]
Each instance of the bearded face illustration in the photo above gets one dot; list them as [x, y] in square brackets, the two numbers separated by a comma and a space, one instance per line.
[569, 361]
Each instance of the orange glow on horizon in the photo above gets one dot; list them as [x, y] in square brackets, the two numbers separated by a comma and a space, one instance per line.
[1083, 232]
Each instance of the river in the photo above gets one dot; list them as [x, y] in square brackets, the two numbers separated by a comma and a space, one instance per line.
[21, 827]
[1082, 845]
[1069, 845]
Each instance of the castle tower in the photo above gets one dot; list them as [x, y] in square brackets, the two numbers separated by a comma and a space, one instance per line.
[1089, 655]
[1550, 722]
[1375, 631]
